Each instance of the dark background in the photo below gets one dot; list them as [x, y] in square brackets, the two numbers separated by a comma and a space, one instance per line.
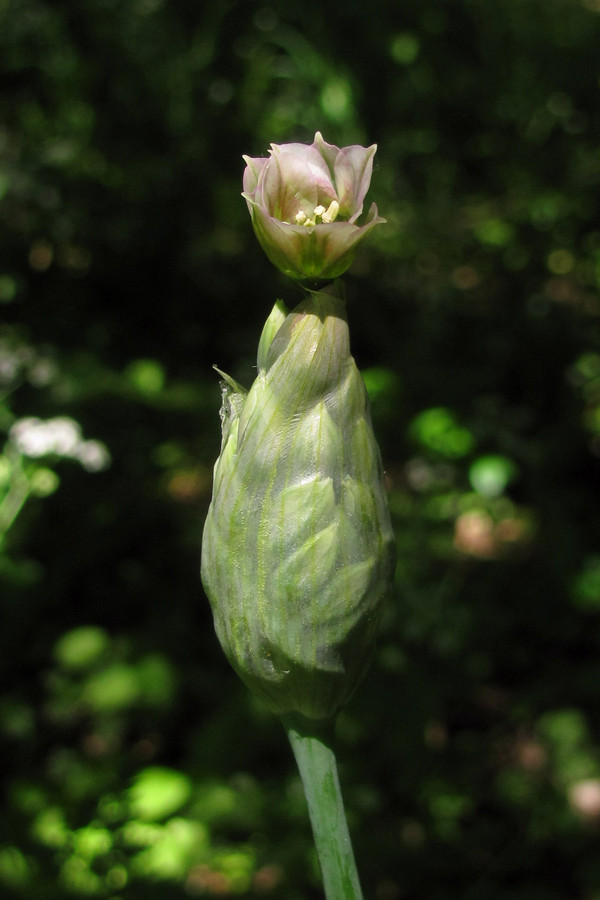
[135, 764]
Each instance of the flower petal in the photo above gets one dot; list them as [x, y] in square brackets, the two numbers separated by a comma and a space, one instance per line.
[297, 179]
[323, 251]
[252, 172]
[329, 152]
[353, 169]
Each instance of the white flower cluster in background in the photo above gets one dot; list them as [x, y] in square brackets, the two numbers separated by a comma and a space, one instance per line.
[60, 436]
[18, 360]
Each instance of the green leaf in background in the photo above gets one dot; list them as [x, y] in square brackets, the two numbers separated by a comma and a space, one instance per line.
[157, 792]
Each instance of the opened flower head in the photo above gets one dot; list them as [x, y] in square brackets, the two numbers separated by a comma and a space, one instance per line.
[305, 201]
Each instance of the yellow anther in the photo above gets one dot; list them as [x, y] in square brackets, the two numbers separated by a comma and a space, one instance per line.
[320, 212]
[331, 213]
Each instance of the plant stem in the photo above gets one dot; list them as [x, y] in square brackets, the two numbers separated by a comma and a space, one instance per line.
[318, 769]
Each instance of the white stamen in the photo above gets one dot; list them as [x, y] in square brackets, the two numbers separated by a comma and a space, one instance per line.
[331, 213]
[320, 212]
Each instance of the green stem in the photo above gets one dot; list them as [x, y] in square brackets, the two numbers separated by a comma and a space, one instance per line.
[318, 770]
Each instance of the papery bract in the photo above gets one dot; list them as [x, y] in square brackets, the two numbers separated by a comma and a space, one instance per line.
[305, 201]
[297, 552]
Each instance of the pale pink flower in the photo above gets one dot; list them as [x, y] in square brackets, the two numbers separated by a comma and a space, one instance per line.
[305, 201]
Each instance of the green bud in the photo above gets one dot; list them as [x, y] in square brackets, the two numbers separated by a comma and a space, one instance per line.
[297, 552]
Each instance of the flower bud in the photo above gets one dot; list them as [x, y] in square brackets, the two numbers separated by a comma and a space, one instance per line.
[297, 552]
[305, 201]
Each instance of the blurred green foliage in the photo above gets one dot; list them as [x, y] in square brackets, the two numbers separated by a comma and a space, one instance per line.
[134, 764]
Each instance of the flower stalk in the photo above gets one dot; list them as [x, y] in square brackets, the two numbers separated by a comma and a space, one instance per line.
[313, 750]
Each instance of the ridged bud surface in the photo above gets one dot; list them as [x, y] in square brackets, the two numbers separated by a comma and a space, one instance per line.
[297, 552]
